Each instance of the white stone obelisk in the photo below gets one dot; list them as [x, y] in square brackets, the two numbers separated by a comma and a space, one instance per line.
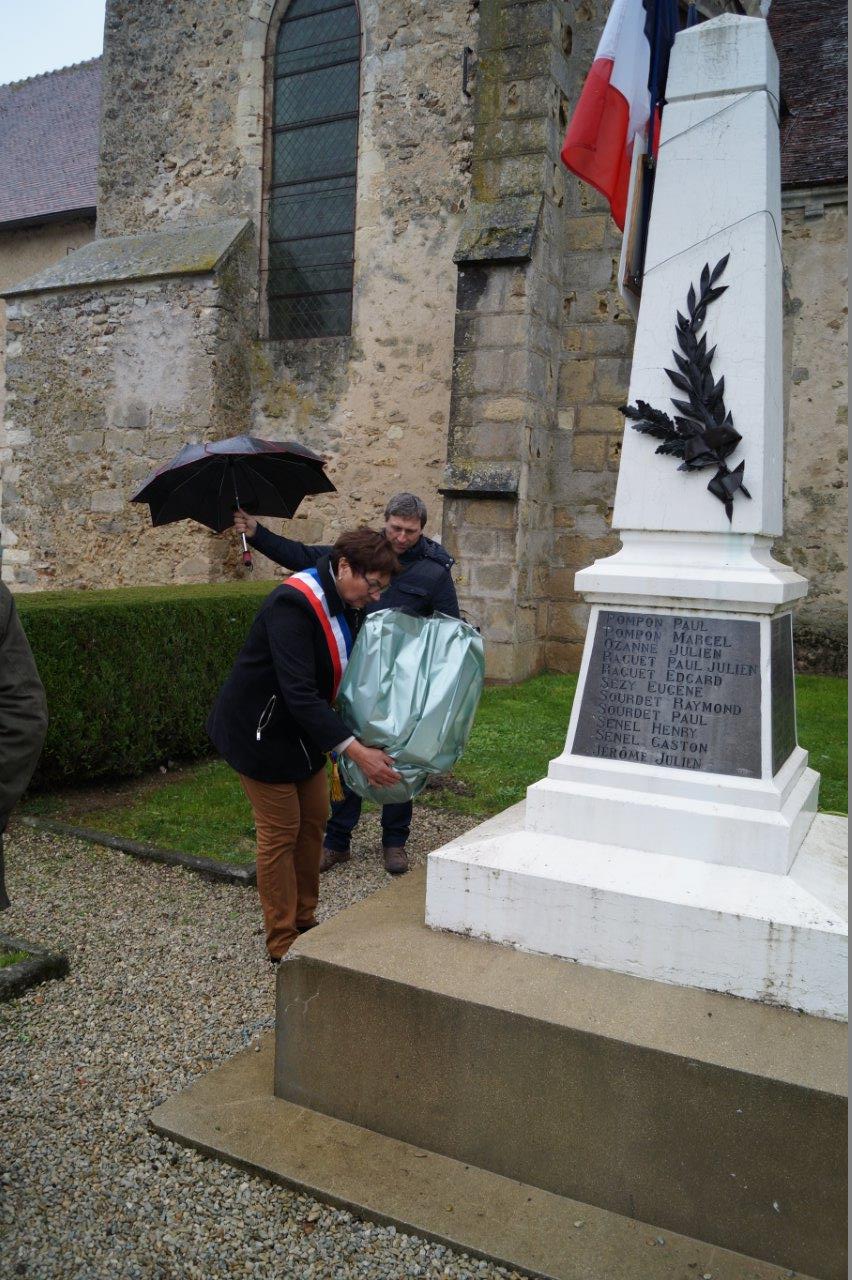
[674, 838]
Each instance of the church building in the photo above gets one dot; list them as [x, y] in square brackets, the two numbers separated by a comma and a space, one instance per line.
[347, 224]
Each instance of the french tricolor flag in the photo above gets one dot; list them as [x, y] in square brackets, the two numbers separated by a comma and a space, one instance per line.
[628, 73]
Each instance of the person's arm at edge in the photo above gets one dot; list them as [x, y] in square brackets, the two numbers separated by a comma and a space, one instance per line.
[284, 551]
[23, 709]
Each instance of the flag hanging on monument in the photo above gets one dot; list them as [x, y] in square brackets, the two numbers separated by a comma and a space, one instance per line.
[627, 76]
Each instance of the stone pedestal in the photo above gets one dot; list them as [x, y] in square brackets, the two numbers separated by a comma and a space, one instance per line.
[538, 1113]
[687, 721]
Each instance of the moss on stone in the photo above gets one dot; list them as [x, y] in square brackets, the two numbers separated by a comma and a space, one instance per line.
[193, 251]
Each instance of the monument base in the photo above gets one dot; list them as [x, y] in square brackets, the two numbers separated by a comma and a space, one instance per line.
[756, 824]
[682, 738]
[490, 1098]
[713, 571]
[780, 939]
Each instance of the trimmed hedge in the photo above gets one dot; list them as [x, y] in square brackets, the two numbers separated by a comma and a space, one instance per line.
[131, 674]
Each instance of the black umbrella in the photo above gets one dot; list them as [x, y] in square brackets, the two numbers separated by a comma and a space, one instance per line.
[207, 482]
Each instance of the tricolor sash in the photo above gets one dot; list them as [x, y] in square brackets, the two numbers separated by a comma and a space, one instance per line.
[338, 635]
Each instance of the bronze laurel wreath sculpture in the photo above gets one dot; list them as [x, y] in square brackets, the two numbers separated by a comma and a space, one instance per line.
[703, 434]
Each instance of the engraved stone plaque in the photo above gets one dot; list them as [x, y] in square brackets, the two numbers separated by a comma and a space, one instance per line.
[681, 692]
[783, 694]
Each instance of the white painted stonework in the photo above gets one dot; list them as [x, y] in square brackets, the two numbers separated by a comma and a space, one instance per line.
[717, 191]
[734, 574]
[778, 939]
[726, 881]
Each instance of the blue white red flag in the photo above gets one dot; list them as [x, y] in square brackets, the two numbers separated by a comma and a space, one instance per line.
[627, 76]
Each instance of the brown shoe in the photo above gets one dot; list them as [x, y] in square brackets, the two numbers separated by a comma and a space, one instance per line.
[396, 859]
[331, 857]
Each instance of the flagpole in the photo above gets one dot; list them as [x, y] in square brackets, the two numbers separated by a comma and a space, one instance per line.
[656, 102]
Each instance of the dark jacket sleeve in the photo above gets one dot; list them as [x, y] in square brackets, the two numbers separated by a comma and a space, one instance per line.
[293, 555]
[23, 709]
[291, 632]
[444, 598]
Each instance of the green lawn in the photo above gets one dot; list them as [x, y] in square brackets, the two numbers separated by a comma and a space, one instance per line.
[11, 957]
[201, 810]
[821, 703]
[518, 729]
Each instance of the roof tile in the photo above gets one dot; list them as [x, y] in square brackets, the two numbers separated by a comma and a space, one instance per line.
[49, 141]
[810, 39]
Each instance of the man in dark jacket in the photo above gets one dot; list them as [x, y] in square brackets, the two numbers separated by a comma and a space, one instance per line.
[425, 586]
[23, 717]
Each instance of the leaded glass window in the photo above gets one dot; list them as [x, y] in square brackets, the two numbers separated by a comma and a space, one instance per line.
[311, 227]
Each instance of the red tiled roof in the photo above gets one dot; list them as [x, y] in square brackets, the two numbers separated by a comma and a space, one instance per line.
[810, 39]
[49, 141]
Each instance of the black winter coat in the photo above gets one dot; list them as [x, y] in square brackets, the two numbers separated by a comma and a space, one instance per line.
[272, 720]
[425, 585]
[23, 717]
[23, 709]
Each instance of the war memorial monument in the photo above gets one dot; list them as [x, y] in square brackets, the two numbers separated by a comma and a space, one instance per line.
[612, 1043]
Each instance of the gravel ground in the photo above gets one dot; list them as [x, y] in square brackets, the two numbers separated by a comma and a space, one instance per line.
[168, 979]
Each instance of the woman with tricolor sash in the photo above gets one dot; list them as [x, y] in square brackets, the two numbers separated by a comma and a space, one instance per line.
[274, 721]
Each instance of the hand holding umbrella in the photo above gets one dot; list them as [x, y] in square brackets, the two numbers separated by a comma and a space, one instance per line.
[210, 482]
[245, 524]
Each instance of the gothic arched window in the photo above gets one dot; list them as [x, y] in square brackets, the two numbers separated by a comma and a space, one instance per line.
[313, 160]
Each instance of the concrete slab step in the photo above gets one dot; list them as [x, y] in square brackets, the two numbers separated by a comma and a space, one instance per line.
[232, 1114]
[720, 1118]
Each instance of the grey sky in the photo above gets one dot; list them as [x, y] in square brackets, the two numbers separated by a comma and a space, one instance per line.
[42, 35]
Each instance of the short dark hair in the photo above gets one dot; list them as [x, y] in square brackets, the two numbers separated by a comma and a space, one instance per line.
[407, 505]
[366, 552]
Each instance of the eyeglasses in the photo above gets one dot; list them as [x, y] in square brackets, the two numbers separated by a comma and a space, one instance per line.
[374, 585]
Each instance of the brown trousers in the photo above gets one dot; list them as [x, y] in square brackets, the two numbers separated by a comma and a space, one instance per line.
[290, 819]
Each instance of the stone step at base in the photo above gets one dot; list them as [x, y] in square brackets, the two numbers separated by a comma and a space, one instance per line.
[232, 1114]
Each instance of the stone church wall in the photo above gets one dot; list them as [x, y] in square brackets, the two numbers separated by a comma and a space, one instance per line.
[594, 370]
[103, 385]
[490, 384]
[499, 513]
[23, 251]
[183, 141]
[535, 451]
[816, 227]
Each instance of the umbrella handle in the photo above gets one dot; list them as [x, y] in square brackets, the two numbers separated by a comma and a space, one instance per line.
[246, 553]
